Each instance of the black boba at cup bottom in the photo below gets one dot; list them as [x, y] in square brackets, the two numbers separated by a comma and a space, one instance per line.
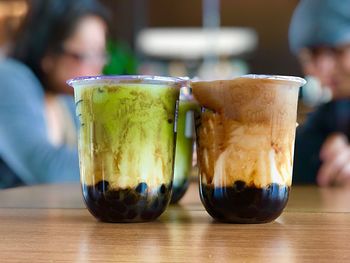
[244, 204]
[126, 205]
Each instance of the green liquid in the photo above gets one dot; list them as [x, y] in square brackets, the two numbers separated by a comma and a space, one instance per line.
[126, 134]
[184, 149]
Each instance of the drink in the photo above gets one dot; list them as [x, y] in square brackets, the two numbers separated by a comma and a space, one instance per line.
[126, 145]
[245, 140]
[184, 145]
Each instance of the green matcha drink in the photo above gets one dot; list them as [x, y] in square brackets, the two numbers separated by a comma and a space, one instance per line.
[184, 145]
[126, 144]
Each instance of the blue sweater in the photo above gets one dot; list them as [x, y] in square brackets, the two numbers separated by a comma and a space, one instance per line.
[26, 154]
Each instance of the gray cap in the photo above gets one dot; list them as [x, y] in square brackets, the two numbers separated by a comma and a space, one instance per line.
[320, 22]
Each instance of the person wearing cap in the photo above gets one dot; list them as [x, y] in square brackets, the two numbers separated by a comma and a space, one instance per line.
[319, 35]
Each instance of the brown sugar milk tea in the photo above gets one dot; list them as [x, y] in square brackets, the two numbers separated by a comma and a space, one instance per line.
[245, 136]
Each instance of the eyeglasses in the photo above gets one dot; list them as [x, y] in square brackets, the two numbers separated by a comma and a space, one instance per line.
[86, 58]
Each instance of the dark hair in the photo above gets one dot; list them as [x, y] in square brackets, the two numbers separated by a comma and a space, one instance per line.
[46, 27]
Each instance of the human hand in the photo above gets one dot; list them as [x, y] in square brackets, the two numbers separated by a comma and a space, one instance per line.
[335, 155]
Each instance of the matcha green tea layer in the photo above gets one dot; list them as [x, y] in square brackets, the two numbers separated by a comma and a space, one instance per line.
[127, 134]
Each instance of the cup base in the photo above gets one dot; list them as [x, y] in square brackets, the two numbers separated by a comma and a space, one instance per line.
[127, 205]
[244, 204]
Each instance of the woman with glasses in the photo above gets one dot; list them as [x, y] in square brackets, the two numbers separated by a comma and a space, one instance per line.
[58, 40]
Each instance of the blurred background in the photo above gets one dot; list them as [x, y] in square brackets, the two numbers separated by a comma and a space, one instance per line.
[208, 39]
[251, 40]
[198, 38]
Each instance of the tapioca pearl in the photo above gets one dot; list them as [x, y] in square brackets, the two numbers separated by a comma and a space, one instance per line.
[102, 186]
[131, 198]
[155, 204]
[248, 197]
[112, 196]
[124, 193]
[141, 188]
[131, 214]
[239, 186]
[141, 205]
[163, 189]
[93, 194]
[119, 207]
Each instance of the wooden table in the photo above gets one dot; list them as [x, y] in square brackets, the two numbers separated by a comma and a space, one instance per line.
[50, 223]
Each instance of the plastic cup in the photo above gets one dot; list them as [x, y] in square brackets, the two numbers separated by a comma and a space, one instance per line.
[245, 145]
[184, 144]
[126, 144]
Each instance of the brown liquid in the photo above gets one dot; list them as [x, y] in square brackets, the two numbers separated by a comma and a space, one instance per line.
[128, 205]
[245, 140]
[246, 131]
[244, 204]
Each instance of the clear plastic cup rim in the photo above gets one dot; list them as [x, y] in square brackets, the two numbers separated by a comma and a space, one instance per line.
[297, 80]
[126, 79]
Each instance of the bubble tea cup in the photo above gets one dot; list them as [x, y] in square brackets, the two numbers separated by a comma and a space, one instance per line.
[245, 145]
[126, 144]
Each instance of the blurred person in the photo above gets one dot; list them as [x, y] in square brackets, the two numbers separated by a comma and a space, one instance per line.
[320, 36]
[58, 40]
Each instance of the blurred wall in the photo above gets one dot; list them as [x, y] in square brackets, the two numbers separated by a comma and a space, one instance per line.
[270, 18]
[11, 14]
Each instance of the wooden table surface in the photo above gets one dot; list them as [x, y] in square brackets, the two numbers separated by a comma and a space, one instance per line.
[50, 224]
